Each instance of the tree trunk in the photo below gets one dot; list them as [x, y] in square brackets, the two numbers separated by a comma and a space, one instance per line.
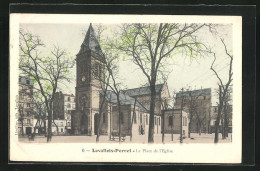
[99, 124]
[110, 109]
[152, 105]
[22, 128]
[163, 127]
[132, 120]
[189, 127]
[220, 106]
[172, 127]
[199, 129]
[57, 128]
[222, 127]
[49, 135]
[44, 125]
[119, 116]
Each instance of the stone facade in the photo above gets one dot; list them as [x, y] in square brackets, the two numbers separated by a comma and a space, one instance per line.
[63, 104]
[174, 120]
[201, 101]
[25, 106]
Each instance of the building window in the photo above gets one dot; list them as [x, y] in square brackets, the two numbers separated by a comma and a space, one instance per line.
[69, 99]
[28, 104]
[68, 105]
[104, 118]
[204, 97]
[141, 118]
[134, 115]
[28, 121]
[121, 118]
[159, 121]
[170, 120]
[146, 119]
[155, 121]
[61, 130]
[28, 113]
[68, 123]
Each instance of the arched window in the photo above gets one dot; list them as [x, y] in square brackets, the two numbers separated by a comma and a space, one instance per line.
[134, 115]
[104, 118]
[121, 118]
[170, 121]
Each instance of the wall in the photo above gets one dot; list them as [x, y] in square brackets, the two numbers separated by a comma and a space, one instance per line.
[126, 120]
[177, 122]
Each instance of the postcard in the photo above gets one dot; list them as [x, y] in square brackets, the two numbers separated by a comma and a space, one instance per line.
[125, 88]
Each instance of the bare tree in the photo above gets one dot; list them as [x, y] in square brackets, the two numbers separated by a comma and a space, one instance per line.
[222, 87]
[46, 70]
[227, 113]
[132, 121]
[39, 110]
[151, 45]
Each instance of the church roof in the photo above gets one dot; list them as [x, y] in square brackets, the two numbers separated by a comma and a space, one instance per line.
[124, 100]
[201, 92]
[143, 90]
[91, 42]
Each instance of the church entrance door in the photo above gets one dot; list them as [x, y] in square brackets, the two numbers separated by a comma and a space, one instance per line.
[84, 124]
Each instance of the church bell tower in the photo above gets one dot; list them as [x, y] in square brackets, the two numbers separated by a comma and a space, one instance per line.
[90, 72]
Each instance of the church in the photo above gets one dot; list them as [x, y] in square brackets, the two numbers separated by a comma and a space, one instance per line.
[135, 103]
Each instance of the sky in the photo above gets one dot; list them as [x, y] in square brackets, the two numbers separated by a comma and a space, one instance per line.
[195, 74]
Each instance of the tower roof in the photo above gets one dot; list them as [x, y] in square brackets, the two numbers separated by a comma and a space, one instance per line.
[90, 42]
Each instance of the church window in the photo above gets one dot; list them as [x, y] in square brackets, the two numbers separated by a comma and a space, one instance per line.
[170, 121]
[100, 71]
[121, 118]
[96, 69]
[104, 118]
[134, 115]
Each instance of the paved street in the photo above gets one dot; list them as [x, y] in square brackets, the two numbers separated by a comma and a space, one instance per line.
[203, 138]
